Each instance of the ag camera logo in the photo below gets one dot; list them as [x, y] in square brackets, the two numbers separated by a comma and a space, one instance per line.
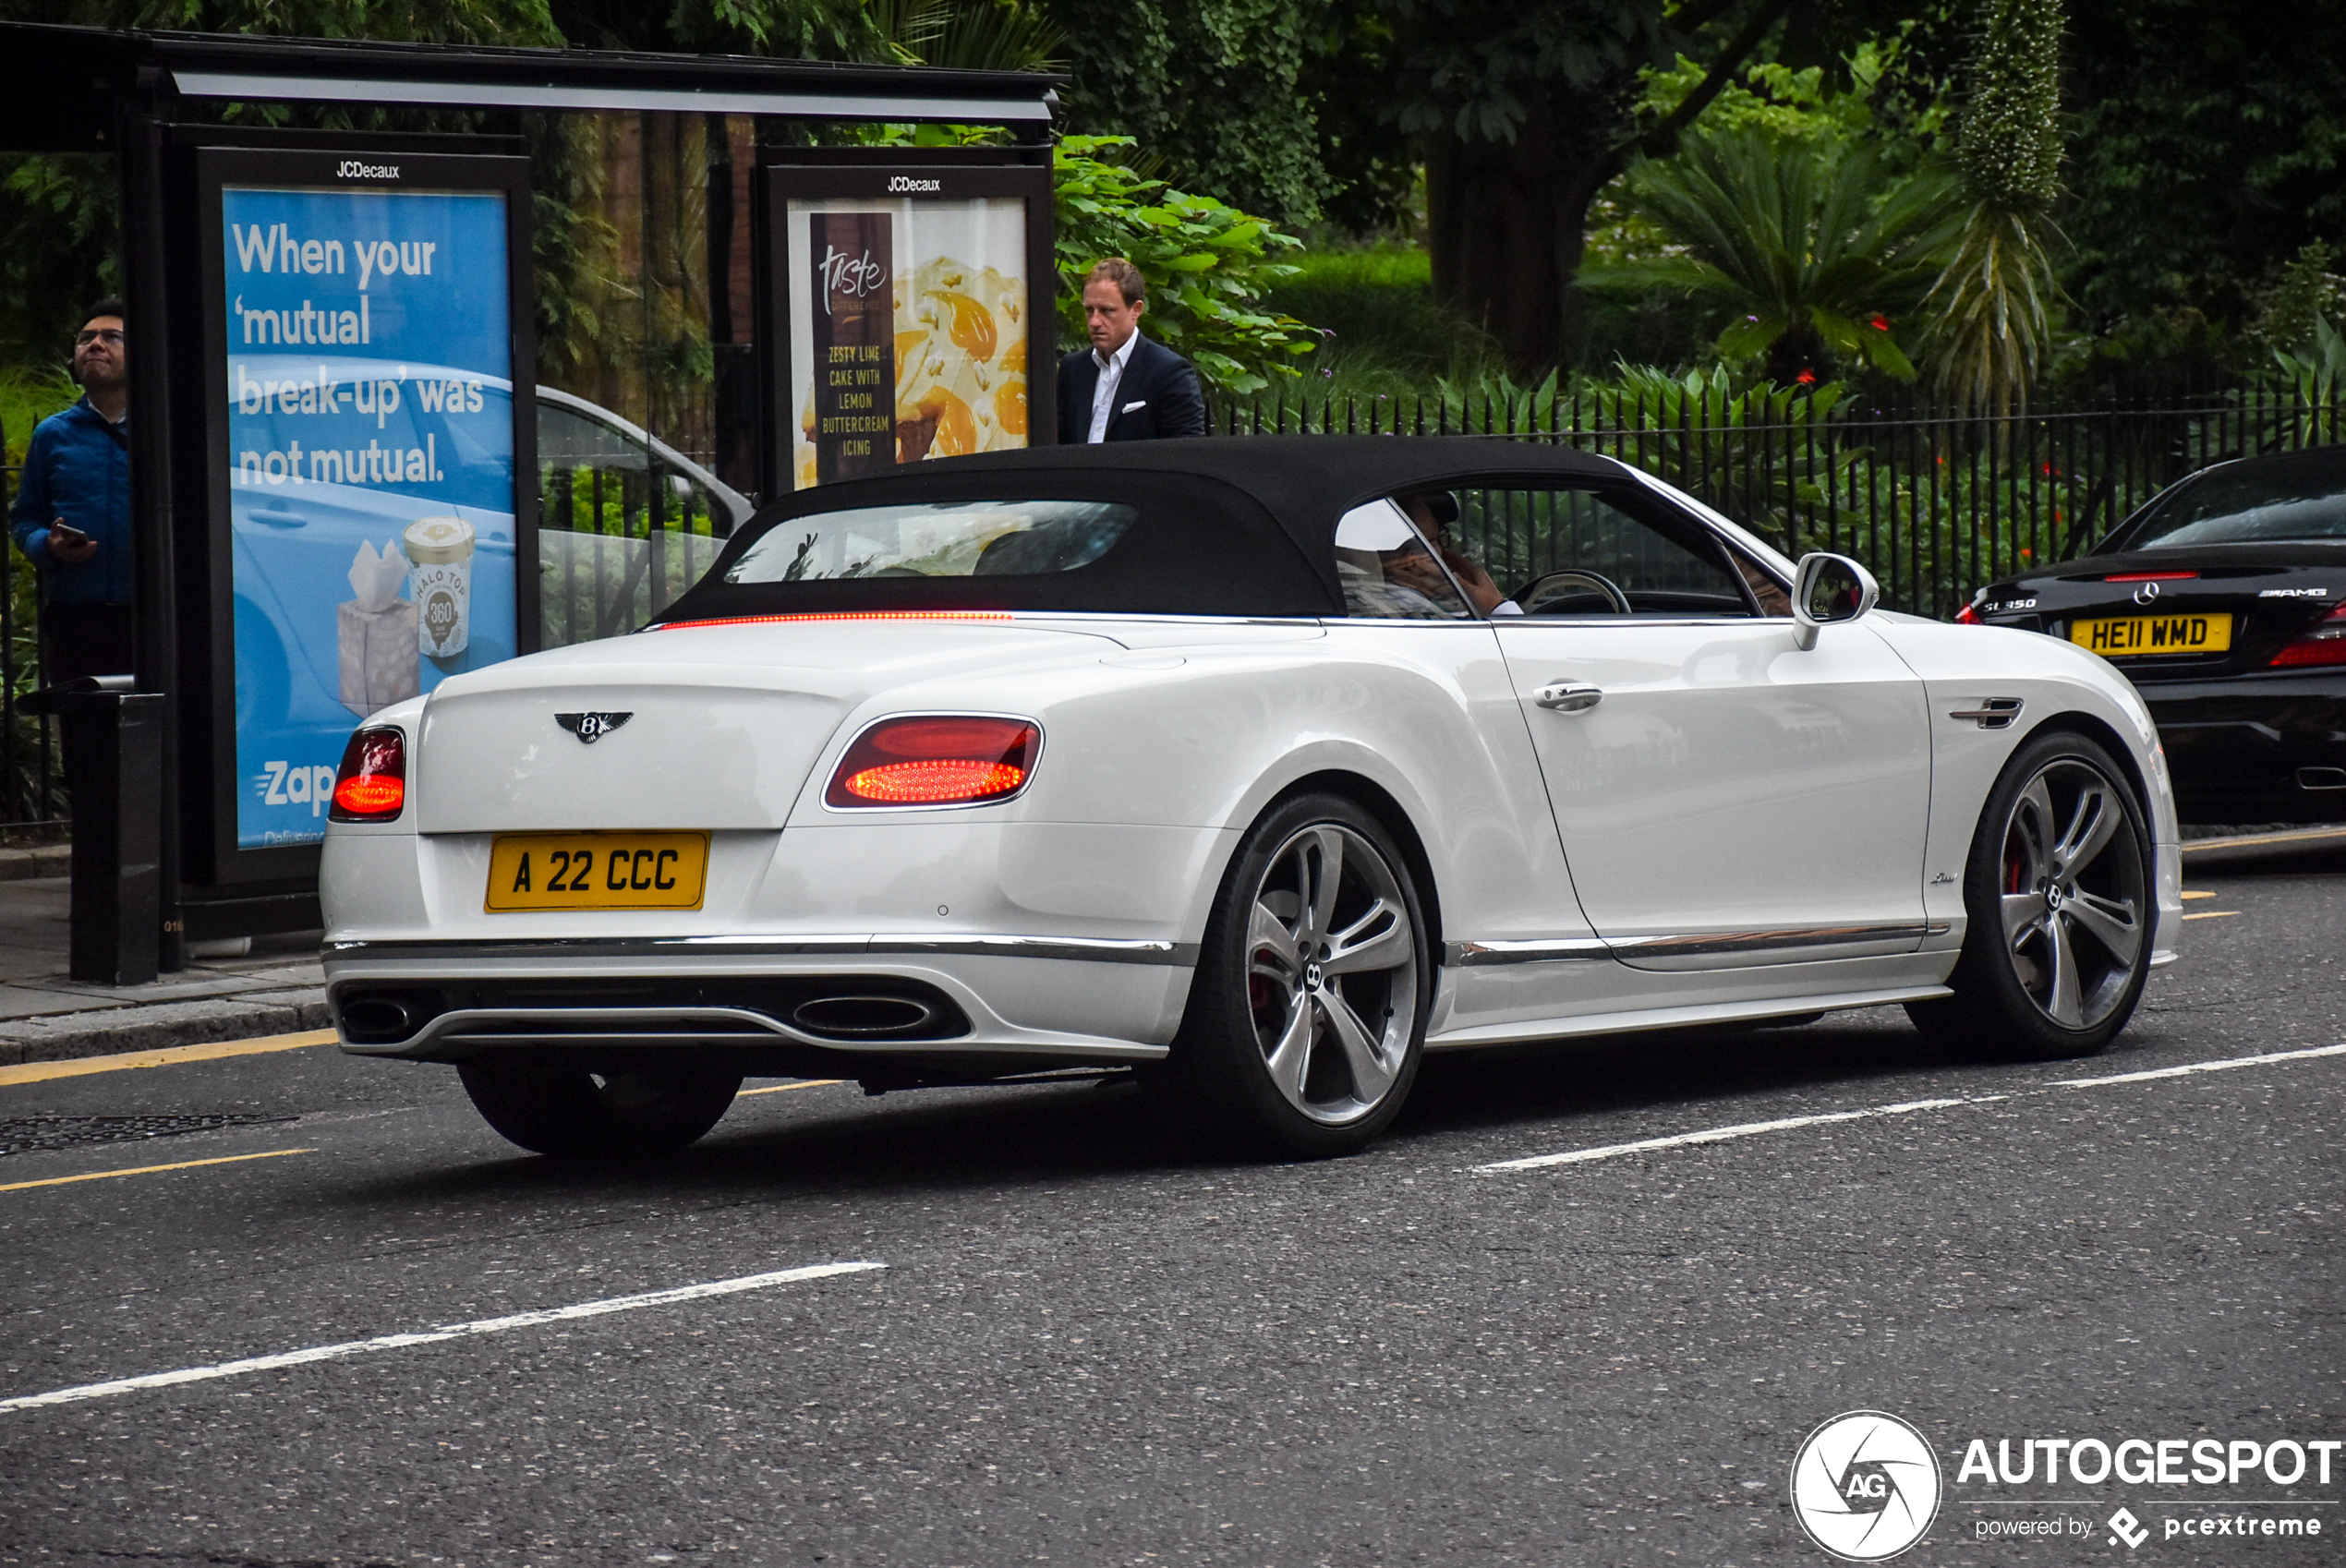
[1865, 1486]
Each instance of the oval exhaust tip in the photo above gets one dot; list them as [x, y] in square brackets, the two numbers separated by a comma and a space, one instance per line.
[378, 1018]
[865, 1017]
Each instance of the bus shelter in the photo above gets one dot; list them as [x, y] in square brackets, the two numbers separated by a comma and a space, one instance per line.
[499, 370]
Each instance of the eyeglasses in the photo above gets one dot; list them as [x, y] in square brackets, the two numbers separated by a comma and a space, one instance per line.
[102, 334]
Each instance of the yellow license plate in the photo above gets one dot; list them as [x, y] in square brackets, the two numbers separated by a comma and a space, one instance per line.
[2132, 636]
[597, 871]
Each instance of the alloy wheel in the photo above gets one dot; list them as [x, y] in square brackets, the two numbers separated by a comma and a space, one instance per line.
[1332, 973]
[2073, 894]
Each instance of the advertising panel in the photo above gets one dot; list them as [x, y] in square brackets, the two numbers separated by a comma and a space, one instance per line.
[907, 309]
[368, 379]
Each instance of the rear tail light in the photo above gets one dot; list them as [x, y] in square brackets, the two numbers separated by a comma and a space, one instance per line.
[936, 760]
[371, 784]
[2325, 644]
[1969, 615]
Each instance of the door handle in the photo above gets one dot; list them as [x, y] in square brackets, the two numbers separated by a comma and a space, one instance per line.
[1569, 696]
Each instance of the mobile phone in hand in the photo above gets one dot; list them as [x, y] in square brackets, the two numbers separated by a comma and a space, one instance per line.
[67, 534]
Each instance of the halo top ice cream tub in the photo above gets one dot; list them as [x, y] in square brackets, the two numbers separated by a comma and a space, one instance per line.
[441, 583]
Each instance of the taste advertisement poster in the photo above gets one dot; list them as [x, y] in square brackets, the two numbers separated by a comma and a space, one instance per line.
[369, 377]
[909, 316]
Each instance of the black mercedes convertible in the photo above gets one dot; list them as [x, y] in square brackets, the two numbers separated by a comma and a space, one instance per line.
[2224, 600]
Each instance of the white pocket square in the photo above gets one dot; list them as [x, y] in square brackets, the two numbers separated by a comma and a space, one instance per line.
[1130, 407]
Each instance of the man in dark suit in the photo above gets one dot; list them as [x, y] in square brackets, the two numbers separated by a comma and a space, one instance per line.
[1125, 387]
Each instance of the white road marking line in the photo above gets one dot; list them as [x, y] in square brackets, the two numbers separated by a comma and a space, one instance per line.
[433, 1336]
[2202, 1066]
[1747, 1129]
[1719, 1134]
[802, 1083]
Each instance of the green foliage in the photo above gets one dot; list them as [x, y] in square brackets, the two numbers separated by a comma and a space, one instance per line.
[30, 393]
[1221, 88]
[1809, 243]
[1993, 308]
[1208, 264]
[2205, 144]
[2299, 406]
[2305, 292]
[416, 21]
[970, 35]
[1382, 331]
[2008, 139]
[1993, 311]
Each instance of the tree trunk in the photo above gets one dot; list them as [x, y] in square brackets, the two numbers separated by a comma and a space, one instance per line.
[1506, 225]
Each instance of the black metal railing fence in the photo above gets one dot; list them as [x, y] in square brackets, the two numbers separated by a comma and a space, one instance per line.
[1935, 505]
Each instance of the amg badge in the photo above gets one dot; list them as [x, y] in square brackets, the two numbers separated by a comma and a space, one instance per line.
[591, 727]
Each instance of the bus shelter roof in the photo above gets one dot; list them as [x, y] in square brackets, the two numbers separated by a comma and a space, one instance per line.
[68, 84]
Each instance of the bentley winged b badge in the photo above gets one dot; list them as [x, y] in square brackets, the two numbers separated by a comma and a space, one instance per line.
[591, 727]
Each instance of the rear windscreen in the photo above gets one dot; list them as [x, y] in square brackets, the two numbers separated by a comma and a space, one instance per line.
[964, 539]
[2247, 505]
[968, 538]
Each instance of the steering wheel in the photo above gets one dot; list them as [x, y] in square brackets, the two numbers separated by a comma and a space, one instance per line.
[1547, 594]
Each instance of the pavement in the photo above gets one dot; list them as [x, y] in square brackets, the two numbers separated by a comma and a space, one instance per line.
[278, 988]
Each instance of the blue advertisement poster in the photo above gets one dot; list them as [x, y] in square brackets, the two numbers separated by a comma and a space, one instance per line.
[370, 447]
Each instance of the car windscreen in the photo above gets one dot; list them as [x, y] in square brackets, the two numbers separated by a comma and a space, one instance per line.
[2248, 504]
[952, 538]
[1108, 542]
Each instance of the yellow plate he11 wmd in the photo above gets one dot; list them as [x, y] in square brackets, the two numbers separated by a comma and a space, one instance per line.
[597, 871]
[2132, 636]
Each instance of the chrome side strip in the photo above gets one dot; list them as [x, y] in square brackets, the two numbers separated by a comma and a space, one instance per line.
[1476, 955]
[1086, 949]
[1703, 942]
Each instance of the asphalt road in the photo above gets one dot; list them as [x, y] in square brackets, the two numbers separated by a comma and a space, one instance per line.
[1088, 1347]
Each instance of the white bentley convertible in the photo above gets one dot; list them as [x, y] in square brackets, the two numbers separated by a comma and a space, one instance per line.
[1222, 760]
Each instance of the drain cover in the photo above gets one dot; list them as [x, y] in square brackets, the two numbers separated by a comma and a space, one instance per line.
[21, 1135]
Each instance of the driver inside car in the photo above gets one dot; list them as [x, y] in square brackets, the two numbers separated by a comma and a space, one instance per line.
[1434, 511]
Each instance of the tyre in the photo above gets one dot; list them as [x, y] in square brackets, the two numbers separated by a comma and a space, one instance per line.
[1307, 1011]
[2058, 895]
[649, 1110]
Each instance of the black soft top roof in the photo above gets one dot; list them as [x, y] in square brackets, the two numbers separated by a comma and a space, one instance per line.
[1229, 525]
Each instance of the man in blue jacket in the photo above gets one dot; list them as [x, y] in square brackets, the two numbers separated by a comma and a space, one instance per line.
[1124, 388]
[72, 512]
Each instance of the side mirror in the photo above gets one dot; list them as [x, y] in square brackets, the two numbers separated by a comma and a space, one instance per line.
[1829, 589]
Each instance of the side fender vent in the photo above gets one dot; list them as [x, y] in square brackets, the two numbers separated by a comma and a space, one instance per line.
[1993, 713]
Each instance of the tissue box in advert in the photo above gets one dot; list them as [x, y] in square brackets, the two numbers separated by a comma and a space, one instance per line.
[378, 648]
[376, 632]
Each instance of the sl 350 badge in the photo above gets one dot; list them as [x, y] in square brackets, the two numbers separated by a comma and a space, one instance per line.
[591, 727]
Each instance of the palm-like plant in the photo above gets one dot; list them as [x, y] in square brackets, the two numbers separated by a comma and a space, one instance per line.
[1813, 245]
[977, 35]
[1992, 309]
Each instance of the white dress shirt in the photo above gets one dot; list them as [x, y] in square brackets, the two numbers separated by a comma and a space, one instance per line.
[1104, 396]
